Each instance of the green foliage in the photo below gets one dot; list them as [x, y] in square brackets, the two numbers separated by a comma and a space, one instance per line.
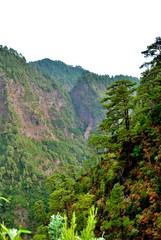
[42, 233]
[55, 226]
[122, 178]
[12, 234]
[118, 224]
[5, 199]
[81, 207]
[66, 74]
[88, 232]
[59, 230]
[115, 130]
[131, 134]
[86, 96]
[39, 213]
[25, 161]
[61, 193]
[154, 52]
[150, 87]
[69, 233]
[118, 104]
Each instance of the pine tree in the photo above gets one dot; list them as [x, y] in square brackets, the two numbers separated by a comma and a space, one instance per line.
[118, 105]
[149, 93]
[115, 129]
[117, 222]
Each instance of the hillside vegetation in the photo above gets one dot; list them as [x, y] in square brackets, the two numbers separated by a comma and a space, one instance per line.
[124, 184]
[43, 129]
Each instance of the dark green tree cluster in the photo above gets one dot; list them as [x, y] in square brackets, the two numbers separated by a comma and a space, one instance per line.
[125, 183]
[25, 162]
[124, 180]
[130, 134]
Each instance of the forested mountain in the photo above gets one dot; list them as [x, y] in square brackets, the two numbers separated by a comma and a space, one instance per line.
[47, 111]
[124, 185]
[66, 74]
[86, 89]
[39, 132]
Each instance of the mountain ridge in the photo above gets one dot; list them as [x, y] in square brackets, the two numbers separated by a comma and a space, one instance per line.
[42, 126]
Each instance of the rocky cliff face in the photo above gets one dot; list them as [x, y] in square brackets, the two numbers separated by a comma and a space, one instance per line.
[86, 97]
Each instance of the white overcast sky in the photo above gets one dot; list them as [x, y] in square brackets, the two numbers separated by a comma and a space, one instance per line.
[103, 36]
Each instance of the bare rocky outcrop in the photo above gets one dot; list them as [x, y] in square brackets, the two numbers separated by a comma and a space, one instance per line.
[32, 113]
[88, 131]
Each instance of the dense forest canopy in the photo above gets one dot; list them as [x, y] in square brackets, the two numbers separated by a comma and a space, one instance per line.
[125, 183]
[114, 191]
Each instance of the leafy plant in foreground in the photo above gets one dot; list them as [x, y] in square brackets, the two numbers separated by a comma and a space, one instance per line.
[55, 226]
[11, 234]
[59, 230]
[8, 233]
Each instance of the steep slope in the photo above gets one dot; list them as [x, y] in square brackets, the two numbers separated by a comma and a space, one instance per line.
[125, 183]
[39, 132]
[66, 74]
[3, 107]
[86, 96]
[46, 116]
[86, 90]
[41, 106]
